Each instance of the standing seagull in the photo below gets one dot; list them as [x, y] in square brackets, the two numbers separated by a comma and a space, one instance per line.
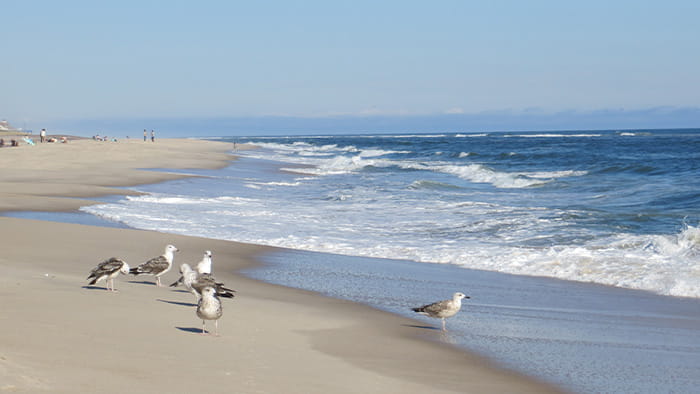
[157, 266]
[209, 308]
[195, 282]
[207, 280]
[204, 265]
[442, 309]
[187, 277]
[108, 270]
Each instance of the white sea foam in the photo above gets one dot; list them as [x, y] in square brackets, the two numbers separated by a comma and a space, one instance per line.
[335, 161]
[380, 152]
[474, 235]
[472, 172]
[554, 174]
[482, 174]
[553, 135]
[261, 184]
[425, 184]
[401, 136]
[478, 173]
[470, 135]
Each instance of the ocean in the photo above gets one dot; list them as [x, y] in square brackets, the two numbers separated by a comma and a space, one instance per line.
[580, 250]
[615, 208]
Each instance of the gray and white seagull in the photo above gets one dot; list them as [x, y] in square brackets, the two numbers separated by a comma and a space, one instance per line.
[204, 265]
[157, 266]
[442, 309]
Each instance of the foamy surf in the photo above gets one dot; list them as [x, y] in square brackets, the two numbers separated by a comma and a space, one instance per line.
[662, 264]
[590, 207]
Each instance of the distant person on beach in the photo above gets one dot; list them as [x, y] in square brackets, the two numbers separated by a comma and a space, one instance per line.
[153, 136]
[145, 135]
[42, 135]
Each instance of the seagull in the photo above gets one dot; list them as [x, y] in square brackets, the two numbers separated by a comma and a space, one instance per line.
[195, 282]
[204, 265]
[209, 308]
[442, 309]
[187, 277]
[207, 280]
[108, 270]
[157, 266]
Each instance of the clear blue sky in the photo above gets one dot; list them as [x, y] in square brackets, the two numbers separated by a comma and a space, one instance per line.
[71, 60]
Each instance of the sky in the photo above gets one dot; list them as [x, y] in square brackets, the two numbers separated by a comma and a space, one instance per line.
[258, 65]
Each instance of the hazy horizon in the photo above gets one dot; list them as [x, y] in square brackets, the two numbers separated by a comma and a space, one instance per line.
[658, 118]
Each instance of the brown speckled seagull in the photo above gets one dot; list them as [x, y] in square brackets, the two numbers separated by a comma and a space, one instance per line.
[208, 280]
[195, 282]
[157, 266]
[209, 308]
[108, 270]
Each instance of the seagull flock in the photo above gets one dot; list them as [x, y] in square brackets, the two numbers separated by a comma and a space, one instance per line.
[206, 289]
[199, 281]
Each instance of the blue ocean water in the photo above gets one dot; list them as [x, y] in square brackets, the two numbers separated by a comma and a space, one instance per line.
[615, 208]
[421, 216]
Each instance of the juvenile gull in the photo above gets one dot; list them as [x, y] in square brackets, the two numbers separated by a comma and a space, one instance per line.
[195, 282]
[442, 309]
[157, 266]
[108, 270]
[207, 280]
[204, 265]
[209, 308]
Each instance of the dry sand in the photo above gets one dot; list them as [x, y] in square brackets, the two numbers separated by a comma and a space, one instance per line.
[59, 335]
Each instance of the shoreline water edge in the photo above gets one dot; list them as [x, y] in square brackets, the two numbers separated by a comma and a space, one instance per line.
[60, 335]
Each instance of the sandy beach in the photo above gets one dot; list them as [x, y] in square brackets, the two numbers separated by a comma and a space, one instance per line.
[57, 334]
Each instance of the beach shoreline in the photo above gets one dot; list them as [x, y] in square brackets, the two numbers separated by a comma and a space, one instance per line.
[60, 335]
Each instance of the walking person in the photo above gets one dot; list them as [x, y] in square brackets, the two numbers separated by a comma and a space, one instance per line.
[153, 136]
[42, 135]
[145, 135]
